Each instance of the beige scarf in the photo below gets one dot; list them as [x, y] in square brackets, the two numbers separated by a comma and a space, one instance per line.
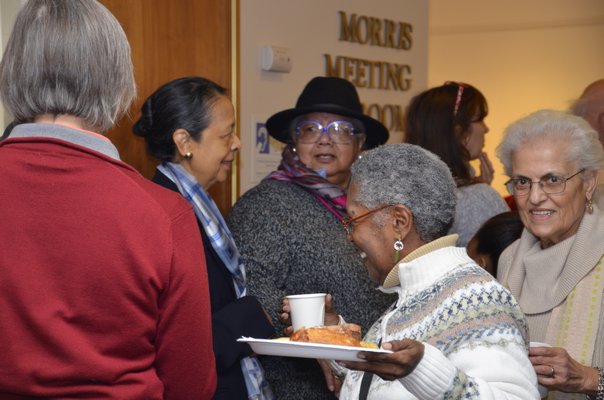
[572, 295]
[574, 324]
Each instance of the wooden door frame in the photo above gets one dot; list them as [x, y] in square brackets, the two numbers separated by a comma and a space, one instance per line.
[172, 39]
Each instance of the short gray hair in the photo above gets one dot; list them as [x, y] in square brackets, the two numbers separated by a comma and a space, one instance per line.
[583, 143]
[412, 176]
[67, 57]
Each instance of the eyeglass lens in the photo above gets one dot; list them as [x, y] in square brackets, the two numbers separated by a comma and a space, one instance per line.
[348, 222]
[550, 184]
[337, 131]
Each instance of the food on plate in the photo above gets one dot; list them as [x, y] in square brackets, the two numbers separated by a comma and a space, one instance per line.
[343, 335]
[367, 345]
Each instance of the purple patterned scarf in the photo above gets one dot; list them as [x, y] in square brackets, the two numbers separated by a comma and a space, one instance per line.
[292, 170]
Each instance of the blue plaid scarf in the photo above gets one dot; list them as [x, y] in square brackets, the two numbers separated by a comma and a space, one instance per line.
[222, 241]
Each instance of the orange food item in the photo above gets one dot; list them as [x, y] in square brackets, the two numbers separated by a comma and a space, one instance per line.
[343, 335]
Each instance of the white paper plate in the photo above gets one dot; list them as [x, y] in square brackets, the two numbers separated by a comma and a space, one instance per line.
[306, 350]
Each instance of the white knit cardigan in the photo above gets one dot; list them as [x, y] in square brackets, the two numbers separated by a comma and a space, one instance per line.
[473, 330]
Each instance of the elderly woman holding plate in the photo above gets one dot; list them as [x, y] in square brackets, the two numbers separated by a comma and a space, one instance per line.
[555, 268]
[454, 331]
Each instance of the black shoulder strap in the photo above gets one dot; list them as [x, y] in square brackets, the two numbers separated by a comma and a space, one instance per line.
[365, 383]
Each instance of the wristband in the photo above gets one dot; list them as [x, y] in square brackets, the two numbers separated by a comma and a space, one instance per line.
[600, 392]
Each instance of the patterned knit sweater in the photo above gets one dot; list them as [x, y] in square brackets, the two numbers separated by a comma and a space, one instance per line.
[474, 332]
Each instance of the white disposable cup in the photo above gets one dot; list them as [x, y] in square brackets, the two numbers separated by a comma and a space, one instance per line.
[542, 389]
[307, 310]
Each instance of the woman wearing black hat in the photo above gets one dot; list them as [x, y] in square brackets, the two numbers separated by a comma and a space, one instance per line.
[288, 228]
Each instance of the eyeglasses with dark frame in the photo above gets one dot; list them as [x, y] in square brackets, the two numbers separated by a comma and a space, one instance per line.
[340, 132]
[347, 222]
[550, 184]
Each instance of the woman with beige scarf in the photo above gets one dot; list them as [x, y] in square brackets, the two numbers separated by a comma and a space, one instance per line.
[555, 270]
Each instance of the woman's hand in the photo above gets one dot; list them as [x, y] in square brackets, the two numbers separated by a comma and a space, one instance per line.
[285, 318]
[331, 315]
[556, 369]
[332, 380]
[487, 172]
[406, 355]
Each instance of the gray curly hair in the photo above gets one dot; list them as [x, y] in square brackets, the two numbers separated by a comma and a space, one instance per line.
[409, 175]
[583, 143]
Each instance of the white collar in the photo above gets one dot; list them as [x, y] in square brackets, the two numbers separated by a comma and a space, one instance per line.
[425, 265]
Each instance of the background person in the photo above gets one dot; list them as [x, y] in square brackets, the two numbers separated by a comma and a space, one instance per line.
[103, 293]
[448, 120]
[288, 227]
[555, 269]
[590, 106]
[494, 236]
[189, 125]
[455, 332]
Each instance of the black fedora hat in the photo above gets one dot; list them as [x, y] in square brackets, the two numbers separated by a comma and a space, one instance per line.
[330, 95]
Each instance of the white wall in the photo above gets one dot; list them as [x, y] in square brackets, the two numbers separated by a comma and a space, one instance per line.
[310, 28]
[523, 55]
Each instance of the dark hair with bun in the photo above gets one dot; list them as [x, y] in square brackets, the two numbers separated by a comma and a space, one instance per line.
[184, 103]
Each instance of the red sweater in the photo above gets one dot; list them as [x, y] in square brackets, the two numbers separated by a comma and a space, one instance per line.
[103, 286]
